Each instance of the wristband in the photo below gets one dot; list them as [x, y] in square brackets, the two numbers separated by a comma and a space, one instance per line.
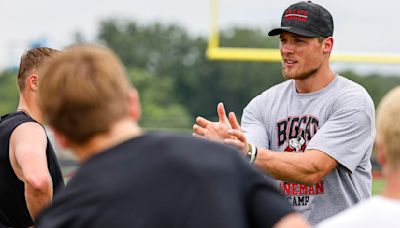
[252, 153]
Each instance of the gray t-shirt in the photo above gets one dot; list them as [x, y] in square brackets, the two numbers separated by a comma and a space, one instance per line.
[338, 120]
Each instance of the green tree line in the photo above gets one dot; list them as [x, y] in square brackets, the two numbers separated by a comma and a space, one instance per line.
[177, 82]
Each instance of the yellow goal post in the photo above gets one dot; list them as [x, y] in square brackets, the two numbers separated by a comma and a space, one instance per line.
[216, 52]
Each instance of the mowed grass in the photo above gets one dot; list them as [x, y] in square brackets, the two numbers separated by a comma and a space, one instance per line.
[377, 186]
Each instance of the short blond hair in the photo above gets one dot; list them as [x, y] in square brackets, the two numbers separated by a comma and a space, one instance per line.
[388, 126]
[83, 91]
[31, 61]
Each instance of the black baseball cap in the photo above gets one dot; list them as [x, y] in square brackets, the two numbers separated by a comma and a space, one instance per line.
[305, 19]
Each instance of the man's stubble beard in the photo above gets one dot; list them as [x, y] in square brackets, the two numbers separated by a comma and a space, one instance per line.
[303, 76]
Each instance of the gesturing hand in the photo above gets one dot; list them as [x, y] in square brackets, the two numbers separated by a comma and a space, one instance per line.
[225, 130]
[236, 136]
[216, 131]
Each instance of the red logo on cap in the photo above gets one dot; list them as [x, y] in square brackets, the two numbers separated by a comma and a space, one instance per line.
[295, 14]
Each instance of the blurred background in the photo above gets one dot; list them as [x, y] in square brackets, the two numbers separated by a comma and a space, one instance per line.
[163, 45]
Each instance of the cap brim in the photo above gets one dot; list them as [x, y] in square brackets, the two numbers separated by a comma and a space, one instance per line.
[294, 30]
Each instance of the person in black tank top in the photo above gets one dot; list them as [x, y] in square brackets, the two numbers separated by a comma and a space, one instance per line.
[29, 170]
[13, 209]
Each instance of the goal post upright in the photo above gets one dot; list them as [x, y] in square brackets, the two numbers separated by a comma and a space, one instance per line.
[216, 52]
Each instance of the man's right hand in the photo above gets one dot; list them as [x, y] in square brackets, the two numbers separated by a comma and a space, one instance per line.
[216, 131]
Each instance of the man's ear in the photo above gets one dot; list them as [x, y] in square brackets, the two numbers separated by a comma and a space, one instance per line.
[327, 44]
[33, 80]
[380, 152]
[134, 105]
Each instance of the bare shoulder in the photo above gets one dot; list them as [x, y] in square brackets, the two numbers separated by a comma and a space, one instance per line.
[28, 143]
[27, 133]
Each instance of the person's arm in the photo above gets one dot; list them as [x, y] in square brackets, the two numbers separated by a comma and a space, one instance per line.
[305, 168]
[28, 157]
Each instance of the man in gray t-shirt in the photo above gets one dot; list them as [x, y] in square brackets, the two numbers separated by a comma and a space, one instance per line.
[338, 121]
[321, 123]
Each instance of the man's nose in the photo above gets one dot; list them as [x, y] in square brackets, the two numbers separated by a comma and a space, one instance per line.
[287, 48]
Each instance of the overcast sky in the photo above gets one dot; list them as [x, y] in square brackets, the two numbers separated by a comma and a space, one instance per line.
[360, 25]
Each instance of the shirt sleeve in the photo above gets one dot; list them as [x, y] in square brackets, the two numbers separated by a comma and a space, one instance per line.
[346, 136]
[253, 124]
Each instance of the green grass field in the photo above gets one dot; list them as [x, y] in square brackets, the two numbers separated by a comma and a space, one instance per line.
[377, 186]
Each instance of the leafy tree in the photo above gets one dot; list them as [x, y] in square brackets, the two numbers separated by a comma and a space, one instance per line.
[168, 51]
[8, 92]
[157, 48]
[159, 110]
[176, 80]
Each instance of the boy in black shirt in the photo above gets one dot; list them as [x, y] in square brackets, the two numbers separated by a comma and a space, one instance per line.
[132, 179]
